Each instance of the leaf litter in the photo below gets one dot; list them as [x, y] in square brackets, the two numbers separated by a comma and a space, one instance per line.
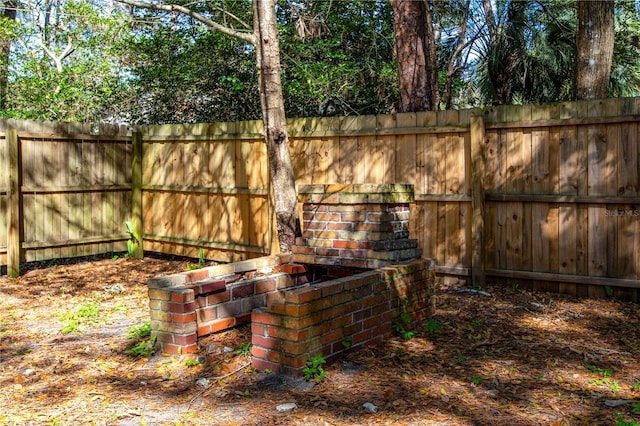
[501, 356]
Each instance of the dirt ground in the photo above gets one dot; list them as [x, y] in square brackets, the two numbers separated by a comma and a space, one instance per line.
[503, 356]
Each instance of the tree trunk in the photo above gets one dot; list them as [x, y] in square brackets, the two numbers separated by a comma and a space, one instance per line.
[452, 67]
[432, 35]
[595, 48]
[409, 28]
[9, 12]
[275, 127]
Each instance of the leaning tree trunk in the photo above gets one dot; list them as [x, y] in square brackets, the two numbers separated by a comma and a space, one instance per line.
[274, 119]
[595, 48]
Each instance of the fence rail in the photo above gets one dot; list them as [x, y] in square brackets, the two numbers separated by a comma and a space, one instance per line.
[541, 194]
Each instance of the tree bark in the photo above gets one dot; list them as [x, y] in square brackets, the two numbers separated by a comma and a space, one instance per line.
[275, 127]
[9, 12]
[595, 48]
[409, 27]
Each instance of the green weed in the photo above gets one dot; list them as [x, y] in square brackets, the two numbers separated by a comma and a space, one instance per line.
[314, 370]
[604, 372]
[476, 380]
[86, 315]
[402, 331]
[139, 331]
[609, 291]
[143, 348]
[24, 351]
[245, 349]
[404, 320]
[614, 386]
[622, 422]
[201, 261]
[432, 326]
[134, 240]
[192, 362]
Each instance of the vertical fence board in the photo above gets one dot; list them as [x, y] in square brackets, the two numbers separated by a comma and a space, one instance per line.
[4, 182]
[406, 155]
[388, 144]
[477, 235]
[14, 213]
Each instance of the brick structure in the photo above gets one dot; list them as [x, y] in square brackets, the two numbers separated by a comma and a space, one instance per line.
[364, 226]
[344, 284]
[192, 304]
[334, 316]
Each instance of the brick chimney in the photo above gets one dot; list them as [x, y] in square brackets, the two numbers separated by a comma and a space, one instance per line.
[360, 226]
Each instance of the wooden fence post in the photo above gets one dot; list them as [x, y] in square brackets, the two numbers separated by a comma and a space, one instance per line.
[477, 201]
[136, 194]
[14, 204]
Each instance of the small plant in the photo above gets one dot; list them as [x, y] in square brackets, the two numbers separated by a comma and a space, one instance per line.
[432, 326]
[139, 331]
[134, 240]
[604, 372]
[476, 380]
[635, 407]
[313, 370]
[201, 261]
[475, 323]
[402, 331]
[609, 291]
[404, 320]
[348, 342]
[192, 362]
[622, 422]
[245, 349]
[143, 348]
[86, 315]
[636, 386]
[614, 386]
[605, 379]
[461, 358]
[70, 326]
[24, 351]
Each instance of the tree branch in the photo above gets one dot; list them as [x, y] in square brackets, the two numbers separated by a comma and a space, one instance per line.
[235, 18]
[242, 35]
[57, 59]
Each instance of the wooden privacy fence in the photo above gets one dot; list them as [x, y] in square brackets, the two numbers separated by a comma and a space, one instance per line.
[540, 194]
[65, 192]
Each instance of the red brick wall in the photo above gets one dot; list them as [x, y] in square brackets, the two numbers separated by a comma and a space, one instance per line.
[363, 226]
[300, 323]
[193, 304]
